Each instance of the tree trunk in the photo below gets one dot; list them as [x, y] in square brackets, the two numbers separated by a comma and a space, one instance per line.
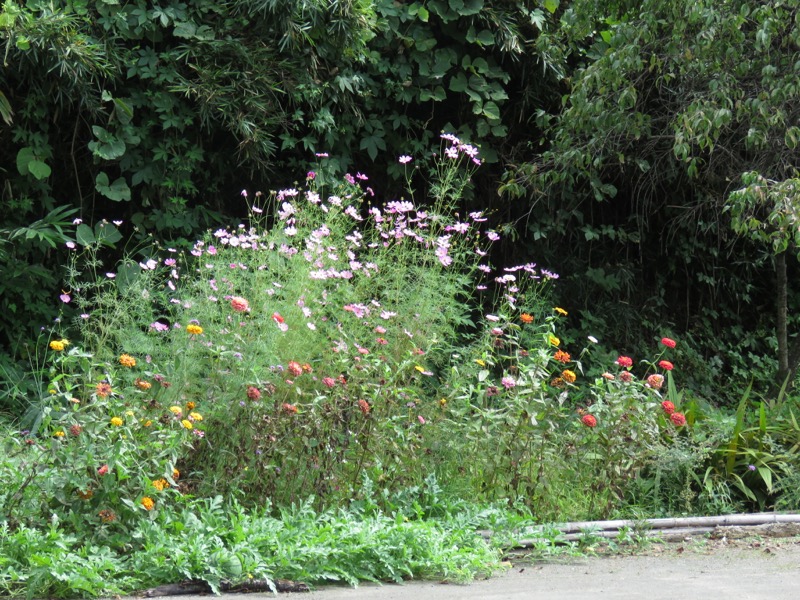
[781, 326]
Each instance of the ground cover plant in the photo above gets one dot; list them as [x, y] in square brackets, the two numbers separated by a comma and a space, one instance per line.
[316, 391]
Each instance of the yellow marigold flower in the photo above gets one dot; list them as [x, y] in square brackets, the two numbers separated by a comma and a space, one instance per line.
[419, 368]
[560, 311]
[194, 329]
[148, 503]
[175, 473]
[190, 405]
[160, 484]
[568, 376]
[148, 423]
[187, 424]
[480, 362]
[57, 345]
[526, 318]
[126, 360]
[176, 410]
[116, 421]
[59, 434]
[554, 341]
[196, 416]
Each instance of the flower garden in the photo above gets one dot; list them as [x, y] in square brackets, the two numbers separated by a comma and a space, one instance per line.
[342, 388]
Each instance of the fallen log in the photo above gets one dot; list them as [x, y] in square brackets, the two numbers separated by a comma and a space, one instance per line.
[196, 586]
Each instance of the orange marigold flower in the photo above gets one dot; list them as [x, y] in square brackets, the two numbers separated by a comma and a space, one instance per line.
[142, 384]
[103, 389]
[160, 484]
[107, 516]
[193, 329]
[126, 360]
[562, 357]
[569, 376]
[307, 368]
[190, 405]
[148, 503]
[526, 318]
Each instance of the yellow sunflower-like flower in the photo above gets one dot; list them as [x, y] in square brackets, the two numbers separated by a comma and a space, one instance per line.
[126, 360]
[160, 484]
[116, 421]
[526, 318]
[57, 345]
[196, 416]
[194, 329]
[176, 410]
[568, 376]
[59, 434]
[187, 424]
[554, 341]
[560, 311]
[148, 503]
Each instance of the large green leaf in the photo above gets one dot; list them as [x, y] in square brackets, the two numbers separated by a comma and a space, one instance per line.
[116, 191]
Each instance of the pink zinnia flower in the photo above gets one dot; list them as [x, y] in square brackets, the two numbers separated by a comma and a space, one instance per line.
[655, 381]
[626, 376]
[239, 304]
[668, 407]
[295, 368]
[668, 342]
[329, 381]
[666, 365]
[508, 382]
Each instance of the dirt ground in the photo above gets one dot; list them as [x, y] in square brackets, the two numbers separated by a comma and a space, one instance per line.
[733, 569]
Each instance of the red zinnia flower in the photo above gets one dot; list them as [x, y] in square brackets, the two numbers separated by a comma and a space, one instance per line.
[277, 318]
[678, 418]
[666, 365]
[626, 376]
[668, 342]
[668, 407]
[589, 420]
[625, 361]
